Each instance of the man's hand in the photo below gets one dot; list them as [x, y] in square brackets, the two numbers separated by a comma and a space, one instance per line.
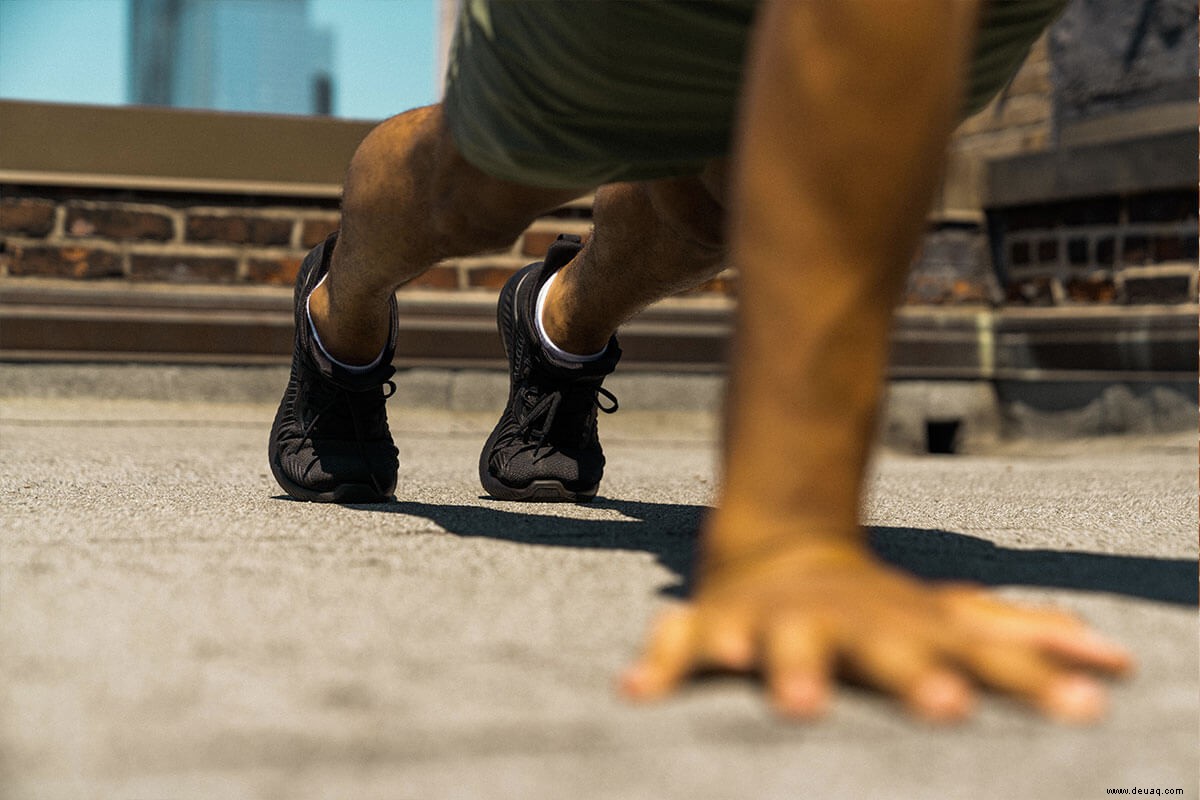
[805, 617]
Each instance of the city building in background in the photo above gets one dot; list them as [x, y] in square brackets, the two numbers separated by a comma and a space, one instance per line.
[354, 59]
[237, 55]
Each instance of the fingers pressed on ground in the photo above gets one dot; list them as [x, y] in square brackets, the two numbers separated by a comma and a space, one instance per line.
[978, 607]
[726, 641]
[1086, 649]
[912, 673]
[1031, 676]
[668, 658]
[798, 665]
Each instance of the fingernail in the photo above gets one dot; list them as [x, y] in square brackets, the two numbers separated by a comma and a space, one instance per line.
[804, 697]
[633, 680]
[943, 698]
[1076, 698]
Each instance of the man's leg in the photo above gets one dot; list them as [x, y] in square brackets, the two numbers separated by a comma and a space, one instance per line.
[557, 319]
[849, 109]
[410, 200]
[651, 240]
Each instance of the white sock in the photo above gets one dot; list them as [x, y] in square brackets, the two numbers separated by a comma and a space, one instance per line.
[353, 369]
[555, 350]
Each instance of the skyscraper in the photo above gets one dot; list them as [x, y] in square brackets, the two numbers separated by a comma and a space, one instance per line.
[229, 55]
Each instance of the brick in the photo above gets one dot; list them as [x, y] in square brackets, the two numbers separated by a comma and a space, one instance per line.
[1158, 289]
[276, 271]
[1008, 110]
[117, 222]
[489, 277]
[183, 268]
[65, 262]
[979, 122]
[1031, 292]
[314, 231]
[1091, 289]
[1002, 142]
[1033, 78]
[1024, 110]
[238, 229]
[536, 243]
[27, 216]
[436, 278]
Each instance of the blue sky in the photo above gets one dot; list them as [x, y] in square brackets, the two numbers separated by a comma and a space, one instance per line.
[385, 52]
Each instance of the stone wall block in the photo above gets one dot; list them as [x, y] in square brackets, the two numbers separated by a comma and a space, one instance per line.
[29, 217]
[120, 221]
[444, 277]
[314, 230]
[238, 229]
[65, 262]
[489, 277]
[280, 271]
[183, 268]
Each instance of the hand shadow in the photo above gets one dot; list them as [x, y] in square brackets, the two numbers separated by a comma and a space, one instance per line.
[669, 532]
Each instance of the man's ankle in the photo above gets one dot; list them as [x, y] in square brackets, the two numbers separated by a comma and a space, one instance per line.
[360, 351]
[578, 345]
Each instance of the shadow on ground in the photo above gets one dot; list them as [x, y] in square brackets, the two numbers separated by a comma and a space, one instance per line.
[669, 532]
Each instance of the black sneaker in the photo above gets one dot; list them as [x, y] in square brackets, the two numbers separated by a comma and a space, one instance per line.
[330, 442]
[545, 446]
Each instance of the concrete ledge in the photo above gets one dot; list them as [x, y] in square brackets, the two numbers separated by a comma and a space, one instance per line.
[1143, 164]
[462, 390]
[59, 320]
[940, 416]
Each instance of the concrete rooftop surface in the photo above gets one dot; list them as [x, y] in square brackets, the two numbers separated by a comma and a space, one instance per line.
[172, 627]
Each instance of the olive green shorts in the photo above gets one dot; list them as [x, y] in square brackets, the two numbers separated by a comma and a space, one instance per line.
[577, 93]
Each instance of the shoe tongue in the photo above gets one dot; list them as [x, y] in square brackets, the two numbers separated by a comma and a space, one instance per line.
[565, 248]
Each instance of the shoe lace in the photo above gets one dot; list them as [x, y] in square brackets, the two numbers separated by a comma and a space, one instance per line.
[361, 405]
[546, 409]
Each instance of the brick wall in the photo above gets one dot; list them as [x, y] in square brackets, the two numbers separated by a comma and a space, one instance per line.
[89, 235]
[222, 240]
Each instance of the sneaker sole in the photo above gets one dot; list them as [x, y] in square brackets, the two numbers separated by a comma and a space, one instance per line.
[346, 493]
[542, 491]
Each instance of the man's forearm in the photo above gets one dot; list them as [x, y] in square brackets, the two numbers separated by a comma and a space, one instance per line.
[843, 131]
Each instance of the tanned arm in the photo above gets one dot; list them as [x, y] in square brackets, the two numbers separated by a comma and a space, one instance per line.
[846, 118]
